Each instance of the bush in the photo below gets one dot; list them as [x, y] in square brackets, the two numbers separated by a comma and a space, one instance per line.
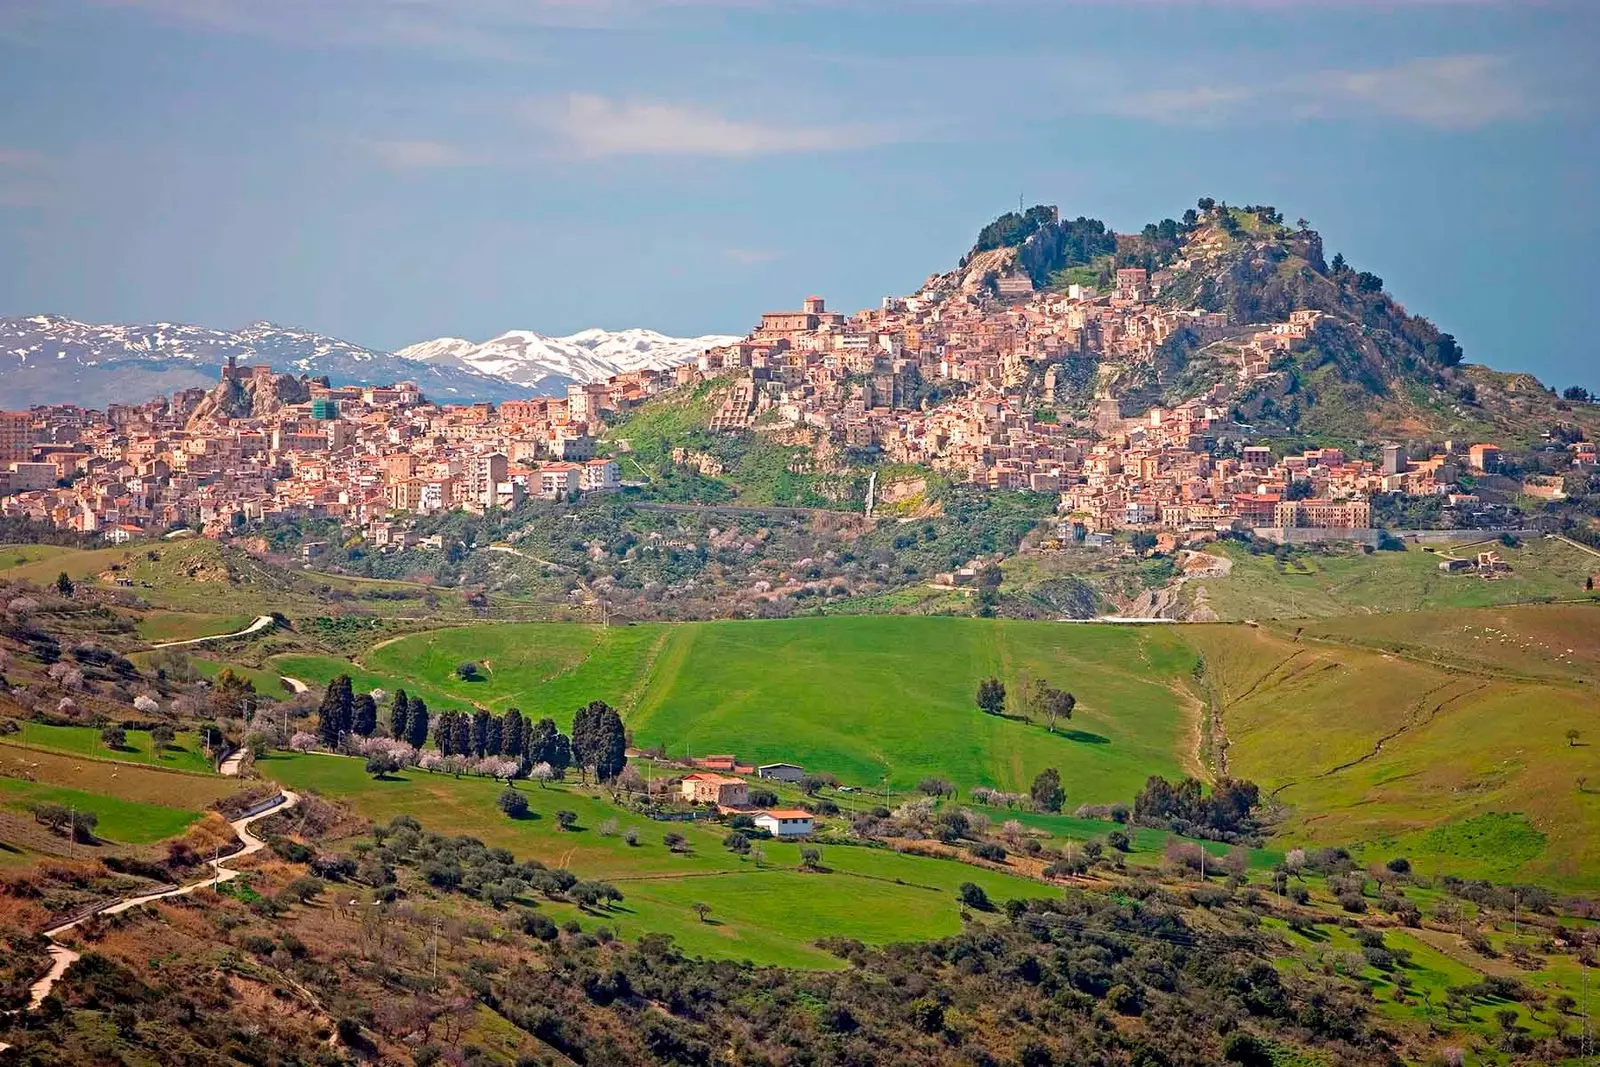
[1118, 840]
[1123, 1000]
[468, 671]
[114, 737]
[988, 850]
[1247, 1050]
[972, 895]
[513, 803]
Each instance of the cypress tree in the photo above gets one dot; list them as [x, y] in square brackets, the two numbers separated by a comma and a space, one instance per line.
[398, 727]
[494, 744]
[480, 733]
[461, 733]
[335, 714]
[364, 716]
[417, 723]
[513, 734]
[444, 732]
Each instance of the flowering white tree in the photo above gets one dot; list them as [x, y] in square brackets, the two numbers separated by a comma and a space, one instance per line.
[431, 762]
[65, 675]
[398, 752]
[146, 704]
[542, 773]
[497, 767]
[1294, 859]
[67, 706]
[302, 741]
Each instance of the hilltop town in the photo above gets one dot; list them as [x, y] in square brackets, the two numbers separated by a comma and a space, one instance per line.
[1043, 363]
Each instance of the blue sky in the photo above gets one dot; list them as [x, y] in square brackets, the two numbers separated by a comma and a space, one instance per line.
[394, 170]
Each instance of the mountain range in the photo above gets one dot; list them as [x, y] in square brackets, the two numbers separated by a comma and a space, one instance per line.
[60, 360]
[549, 363]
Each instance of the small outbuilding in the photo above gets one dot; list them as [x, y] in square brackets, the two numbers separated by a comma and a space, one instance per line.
[781, 772]
[786, 822]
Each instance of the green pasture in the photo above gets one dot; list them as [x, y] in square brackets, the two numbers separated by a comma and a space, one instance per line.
[770, 914]
[124, 822]
[1367, 749]
[1348, 582]
[1559, 642]
[857, 697]
[159, 626]
[185, 754]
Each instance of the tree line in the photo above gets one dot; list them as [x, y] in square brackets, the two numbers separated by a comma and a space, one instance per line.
[597, 743]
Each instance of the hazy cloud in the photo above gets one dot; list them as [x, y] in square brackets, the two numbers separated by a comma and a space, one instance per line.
[1445, 92]
[593, 127]
[415, 155]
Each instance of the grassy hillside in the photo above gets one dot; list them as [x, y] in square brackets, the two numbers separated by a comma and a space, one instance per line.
[1345, 581]
[1468, 773]
[859, 697]
[770, 914]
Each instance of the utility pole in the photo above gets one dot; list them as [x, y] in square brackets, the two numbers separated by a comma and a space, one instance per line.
[72, 829]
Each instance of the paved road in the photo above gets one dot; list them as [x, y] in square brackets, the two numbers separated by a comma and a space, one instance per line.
[62, 957]
[254, 628]
[295, 684]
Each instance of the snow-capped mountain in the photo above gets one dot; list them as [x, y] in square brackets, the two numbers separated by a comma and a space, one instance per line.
[548, 364]
[50, 359]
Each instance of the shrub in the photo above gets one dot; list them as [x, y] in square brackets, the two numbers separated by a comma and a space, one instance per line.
[1123, 1000]
[1247, 1050]
[513, 803]
[972, 895]
[1118, 840]
[113, 737]
[988, 850]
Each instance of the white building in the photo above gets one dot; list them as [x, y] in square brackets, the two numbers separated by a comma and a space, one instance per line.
[601, 475]
[785, 822]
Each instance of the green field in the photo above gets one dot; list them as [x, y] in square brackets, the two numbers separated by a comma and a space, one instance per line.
[124, 822]
[185, 754]
[158, 626]
[1367, 748]
[857, 697]
[770, 915]
[1559, 642]
[1351, 583]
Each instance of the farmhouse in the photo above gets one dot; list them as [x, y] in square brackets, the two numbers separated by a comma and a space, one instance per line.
[703, 788]
[781, 772]
[785, 822]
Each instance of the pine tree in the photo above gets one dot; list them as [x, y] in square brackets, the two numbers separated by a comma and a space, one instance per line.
[399, 729]
[336, 712]
[364, 717]
[417, 723]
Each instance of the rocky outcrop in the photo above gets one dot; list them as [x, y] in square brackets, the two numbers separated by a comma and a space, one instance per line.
[252, 397]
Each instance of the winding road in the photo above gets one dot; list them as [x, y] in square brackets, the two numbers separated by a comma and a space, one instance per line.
[62, 957]
[261, 623]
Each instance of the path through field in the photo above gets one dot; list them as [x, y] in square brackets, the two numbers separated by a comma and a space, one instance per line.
[256, 627]
[62, 957]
